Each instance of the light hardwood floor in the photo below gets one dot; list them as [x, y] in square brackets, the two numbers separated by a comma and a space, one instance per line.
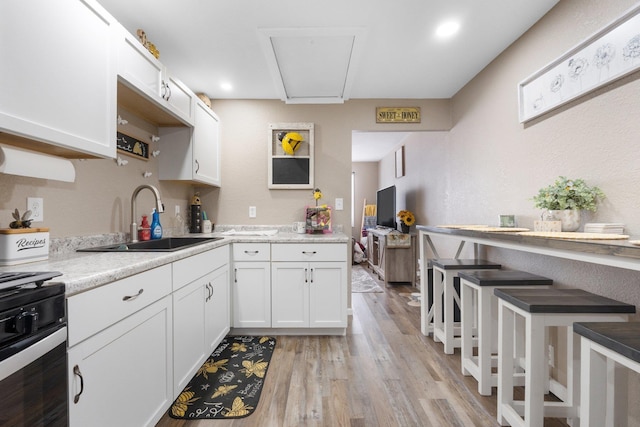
[384, 372]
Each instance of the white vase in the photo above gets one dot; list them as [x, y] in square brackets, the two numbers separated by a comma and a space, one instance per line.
[570, 218]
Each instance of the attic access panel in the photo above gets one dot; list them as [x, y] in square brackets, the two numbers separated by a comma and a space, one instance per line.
[313, 65]
[286, 171]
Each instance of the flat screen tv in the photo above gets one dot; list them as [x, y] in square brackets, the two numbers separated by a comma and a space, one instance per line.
[386, 207]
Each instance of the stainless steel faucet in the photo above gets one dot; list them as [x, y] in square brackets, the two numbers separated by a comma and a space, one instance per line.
[134, 196]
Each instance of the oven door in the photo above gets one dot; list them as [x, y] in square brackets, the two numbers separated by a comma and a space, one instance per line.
[33, 383]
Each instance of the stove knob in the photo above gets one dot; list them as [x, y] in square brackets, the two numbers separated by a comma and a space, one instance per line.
[27, 322]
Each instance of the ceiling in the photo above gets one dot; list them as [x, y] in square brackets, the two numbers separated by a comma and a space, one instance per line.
[327, 52]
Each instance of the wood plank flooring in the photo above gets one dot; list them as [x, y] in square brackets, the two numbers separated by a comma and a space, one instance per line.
[384, 372]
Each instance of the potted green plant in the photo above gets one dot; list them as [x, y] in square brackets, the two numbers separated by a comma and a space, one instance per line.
[566, 198]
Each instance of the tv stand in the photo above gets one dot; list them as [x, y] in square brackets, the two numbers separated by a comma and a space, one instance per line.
[391, 264]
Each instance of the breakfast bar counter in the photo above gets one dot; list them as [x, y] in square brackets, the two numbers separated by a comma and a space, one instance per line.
[616, 252]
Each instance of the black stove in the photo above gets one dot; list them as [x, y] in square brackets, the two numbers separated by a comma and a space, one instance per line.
[13, 279]
[28, 309]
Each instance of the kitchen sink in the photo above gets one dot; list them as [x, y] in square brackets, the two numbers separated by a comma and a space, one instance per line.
[168, 244]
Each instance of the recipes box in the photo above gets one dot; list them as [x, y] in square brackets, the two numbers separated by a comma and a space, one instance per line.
[22, 245]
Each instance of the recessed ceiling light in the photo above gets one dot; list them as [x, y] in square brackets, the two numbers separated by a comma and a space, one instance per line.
[226, 86]
[447, 29]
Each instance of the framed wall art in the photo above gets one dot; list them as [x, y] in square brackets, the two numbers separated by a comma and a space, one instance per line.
[602, 58]
[132, 147]
[400, 162]
[290, 160]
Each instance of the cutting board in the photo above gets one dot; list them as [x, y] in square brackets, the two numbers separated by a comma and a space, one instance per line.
[23, 230]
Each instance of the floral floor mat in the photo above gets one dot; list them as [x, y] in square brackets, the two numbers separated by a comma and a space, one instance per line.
[229, 383]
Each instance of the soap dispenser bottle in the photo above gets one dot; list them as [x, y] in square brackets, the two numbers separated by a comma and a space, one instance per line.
[144, 232]
[156, 228]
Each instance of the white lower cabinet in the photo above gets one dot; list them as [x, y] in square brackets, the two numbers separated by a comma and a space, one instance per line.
[200, 311]
[251, 285]
[120, 374]
[217, 310]
[309, 294]
[135, 343]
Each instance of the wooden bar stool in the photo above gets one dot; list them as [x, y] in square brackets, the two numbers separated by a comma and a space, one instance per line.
[480, 309]
[444, 272]
[541, 309]
[607, 349]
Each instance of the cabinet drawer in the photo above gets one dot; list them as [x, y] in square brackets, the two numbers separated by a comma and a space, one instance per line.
[189, 269]
[95, 310]
[251, 251]
[309, 252]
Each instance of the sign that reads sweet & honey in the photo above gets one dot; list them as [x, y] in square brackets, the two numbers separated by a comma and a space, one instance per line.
[397, 114]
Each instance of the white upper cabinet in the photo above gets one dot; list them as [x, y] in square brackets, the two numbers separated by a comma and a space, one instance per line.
[206, 146]
[192, 154]
[57, 70]
[139, 71]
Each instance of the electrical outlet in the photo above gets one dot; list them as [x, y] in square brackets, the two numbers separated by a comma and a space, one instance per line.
[339, 204]
[36, 206]
[177, 210]
[252, 211]
[552, 361]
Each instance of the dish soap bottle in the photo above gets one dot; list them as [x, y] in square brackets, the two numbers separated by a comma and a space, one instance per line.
[145, 229]
[156, 228]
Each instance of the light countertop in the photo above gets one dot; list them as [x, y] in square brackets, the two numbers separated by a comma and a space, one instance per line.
[82, 271]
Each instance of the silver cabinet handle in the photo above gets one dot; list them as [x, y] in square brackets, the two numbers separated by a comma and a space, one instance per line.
[131, 297]
[235, 275]
[76, 371]
[165, 88]
[252, 252]
[306, 275]
[197, 166]
[309, 252]
[311, 275]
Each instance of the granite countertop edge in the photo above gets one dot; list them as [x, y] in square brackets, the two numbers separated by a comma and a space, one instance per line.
[82, 271]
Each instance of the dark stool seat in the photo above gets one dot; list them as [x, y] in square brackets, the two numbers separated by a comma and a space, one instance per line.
[464, 264]
[562, 301]
[446, 299]
[542, 309]
[623, 338]
[504, 278]
[480, 310]
[604, 385]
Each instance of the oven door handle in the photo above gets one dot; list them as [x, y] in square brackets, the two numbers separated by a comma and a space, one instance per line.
[32, 353]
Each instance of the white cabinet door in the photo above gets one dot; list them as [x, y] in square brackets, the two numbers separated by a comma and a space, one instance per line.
[328, 295]
[122, 376]
[138, 67]
[309, 295]
[217, 306]
[192, 154]
[180, 98]
[252, 294]
[290, 295]
[188, 331]
[146, 75]
[206, 148]
[58, 73]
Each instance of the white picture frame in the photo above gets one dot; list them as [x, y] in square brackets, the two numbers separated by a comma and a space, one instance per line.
[285, 171]
[606, 56]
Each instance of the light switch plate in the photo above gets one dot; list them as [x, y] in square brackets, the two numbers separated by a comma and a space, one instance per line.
[252, 211]
[339, 204]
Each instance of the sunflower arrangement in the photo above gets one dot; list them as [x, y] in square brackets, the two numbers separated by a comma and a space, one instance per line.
[407, 217]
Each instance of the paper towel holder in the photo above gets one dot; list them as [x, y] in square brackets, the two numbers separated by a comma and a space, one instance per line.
[22, 162]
